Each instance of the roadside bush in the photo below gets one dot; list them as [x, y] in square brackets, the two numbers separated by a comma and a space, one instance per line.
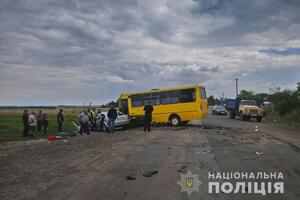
[285, 102]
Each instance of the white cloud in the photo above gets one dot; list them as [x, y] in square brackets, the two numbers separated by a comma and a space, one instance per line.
[67, 52]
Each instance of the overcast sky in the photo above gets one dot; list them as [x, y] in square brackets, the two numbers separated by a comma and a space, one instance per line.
[70, 52]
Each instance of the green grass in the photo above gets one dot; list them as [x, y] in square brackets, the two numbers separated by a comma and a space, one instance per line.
[291, 119]
[11, 125]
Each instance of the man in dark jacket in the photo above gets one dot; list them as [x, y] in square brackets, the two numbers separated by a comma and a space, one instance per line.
[45, 123]
[39, 120]
[112, 116]
[148, 108]
[60, 120]
[25, 123]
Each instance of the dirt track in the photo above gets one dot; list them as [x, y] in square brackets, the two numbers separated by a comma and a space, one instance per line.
[96, 166]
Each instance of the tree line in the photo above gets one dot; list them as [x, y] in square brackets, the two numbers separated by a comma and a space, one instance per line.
[281, 101]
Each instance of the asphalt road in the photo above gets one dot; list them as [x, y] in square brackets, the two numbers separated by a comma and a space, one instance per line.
[97, 166]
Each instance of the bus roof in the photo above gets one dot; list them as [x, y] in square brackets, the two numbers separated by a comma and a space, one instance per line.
[160, 89]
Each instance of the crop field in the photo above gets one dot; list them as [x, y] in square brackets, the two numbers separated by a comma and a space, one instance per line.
[11, 125]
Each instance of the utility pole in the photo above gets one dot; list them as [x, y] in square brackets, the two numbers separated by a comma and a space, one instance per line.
[237, 87]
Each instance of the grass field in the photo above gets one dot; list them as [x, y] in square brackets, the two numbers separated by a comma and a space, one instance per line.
[291, 119]
[11, 124]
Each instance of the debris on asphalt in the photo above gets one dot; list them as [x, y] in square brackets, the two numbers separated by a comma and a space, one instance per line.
[130, 177]
[169, 147]
[182, 168]
[53, 138]
[77, 128]
[207, 151]
[178, 128]
[207, 127]
[150, 173]
[221, 133]
[249, 158]
[66, 134]
[258, 153]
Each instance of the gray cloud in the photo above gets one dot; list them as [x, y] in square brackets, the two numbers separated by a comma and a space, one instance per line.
[68, 51]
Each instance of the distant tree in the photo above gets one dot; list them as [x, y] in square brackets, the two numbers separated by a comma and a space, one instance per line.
[275, 89]
[217, 101]
[112, 103]
[260, 98]
[244, 94]
[285, 102]
[211, 100]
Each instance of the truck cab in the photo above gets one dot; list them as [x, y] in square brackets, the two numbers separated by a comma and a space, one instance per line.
[249, 109]
[246, 109]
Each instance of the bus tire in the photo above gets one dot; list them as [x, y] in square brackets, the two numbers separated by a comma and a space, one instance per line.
[244, 117]
[174, 120]
[232, 114]
[259, 119]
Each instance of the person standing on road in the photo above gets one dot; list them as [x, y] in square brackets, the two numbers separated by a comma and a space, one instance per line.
[45, 123]
[32, 124]
[25, 123]
[39, 120]
[148, 108]
[112, 116]
[60, 119]
[84, 123]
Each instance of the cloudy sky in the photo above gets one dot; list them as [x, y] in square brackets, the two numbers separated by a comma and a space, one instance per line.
[70, 52]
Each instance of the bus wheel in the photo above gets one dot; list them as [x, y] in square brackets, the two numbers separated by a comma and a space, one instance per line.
[174, 120]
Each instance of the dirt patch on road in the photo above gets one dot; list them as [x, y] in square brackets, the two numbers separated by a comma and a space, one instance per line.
[44, 168]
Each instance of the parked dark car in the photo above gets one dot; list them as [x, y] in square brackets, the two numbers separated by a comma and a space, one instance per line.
[219, 110]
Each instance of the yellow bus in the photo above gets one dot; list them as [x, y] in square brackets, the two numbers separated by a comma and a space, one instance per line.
[173, 105]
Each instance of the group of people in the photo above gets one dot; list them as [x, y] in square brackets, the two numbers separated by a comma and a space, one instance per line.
[87, 120]
[37, 121]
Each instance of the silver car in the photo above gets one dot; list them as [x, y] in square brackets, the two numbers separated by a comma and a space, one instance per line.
[219, 110]
[102, 121]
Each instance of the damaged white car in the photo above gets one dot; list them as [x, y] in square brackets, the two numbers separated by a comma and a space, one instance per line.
[102, 121]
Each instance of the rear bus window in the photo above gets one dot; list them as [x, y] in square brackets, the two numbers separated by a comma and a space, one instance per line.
[202, 93]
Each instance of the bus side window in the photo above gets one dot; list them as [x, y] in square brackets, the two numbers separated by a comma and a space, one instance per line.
[153, 98]
[169, 97]
[137, 100]
[187, 95]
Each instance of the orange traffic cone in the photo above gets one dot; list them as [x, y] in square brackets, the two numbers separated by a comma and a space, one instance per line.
[257, 130]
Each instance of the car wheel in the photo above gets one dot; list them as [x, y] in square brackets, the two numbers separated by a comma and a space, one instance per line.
[174, 120]
[232, 114]
[244, 117]
[259, 119]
